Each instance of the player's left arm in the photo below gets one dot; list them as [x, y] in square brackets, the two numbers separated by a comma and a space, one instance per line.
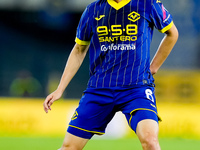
[166, 45]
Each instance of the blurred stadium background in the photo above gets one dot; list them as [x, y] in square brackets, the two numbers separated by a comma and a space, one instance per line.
[36, 37]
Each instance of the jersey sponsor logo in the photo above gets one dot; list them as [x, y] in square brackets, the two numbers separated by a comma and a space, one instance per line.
[158, 1]
[100, 17]
[117, 38]
[75, 115]
[118, 47]
[133, 16]
[117, 33]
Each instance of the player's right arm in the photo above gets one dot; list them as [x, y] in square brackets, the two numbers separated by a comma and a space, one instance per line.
[163, 21]
[74, 62]
[164, 49]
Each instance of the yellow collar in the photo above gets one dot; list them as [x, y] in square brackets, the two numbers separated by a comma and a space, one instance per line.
[119, 5]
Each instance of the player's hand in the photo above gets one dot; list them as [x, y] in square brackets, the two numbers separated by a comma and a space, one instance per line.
[153, 70]
[50, 99]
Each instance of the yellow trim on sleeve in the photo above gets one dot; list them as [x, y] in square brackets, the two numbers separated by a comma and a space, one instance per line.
[159, 118]
[100, 133]
[166, 28]
[80, 42]
[119, 5]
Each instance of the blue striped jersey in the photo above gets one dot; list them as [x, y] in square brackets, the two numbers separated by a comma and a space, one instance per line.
[119, 35]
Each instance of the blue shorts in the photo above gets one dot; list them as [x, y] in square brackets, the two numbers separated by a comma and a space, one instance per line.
[98, 106]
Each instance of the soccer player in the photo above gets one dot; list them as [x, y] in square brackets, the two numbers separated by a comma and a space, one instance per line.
[117, 34]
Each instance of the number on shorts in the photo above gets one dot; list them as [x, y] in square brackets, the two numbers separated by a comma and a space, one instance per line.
[149, 94]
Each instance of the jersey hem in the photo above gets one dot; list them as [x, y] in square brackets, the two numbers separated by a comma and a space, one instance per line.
[152, 84]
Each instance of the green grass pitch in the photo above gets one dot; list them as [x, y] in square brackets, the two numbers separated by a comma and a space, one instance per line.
[10, 143]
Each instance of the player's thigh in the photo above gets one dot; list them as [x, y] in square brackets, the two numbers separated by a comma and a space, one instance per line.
[147, 130]
[73, 142]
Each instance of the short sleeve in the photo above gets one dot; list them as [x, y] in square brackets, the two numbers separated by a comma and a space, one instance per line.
[83, 34]
[161, 17]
